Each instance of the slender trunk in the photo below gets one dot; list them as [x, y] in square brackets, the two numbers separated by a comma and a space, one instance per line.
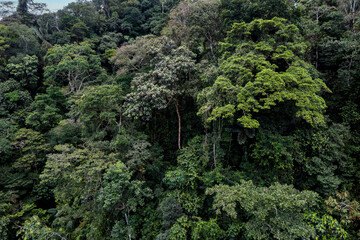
[317, 56]
[120, 121]
[231, 138]
[214, 152]
[179, 122]
[206, 136]
[349, 69]
[107, 8]
[217, 139]
[57, 24]
[212, 50]
[127, 223]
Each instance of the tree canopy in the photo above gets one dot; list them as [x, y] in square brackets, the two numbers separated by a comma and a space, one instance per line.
[177, 119]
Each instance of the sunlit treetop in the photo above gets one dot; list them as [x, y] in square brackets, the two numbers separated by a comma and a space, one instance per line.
[262, 65]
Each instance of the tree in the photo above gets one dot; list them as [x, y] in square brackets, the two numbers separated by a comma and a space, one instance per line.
[79, 31]
[100, 109]
[12, 97]
[133, 56]
[262, 66]
[173, 68]
[246, 11]
[326, 227]
[47, 109]
[121, 194]
[31, 149]
[351, 10]
[76, 176]
[206, 20]
[341, 206]
[85, 12]
[195, 24]
[7, 129]
[6, 39]
[33, 229]
[110, 41]
[198, 228]
[48, 26]
[131, 20]
[171, 210]
[276, 154]
[25, 7]
[103, 5]
[75, 65]
[179, 28]
[276, 212]
[330, 167]
[25, 71]
[22, 7]
[26, 40]
[315, 22]
[188, 179]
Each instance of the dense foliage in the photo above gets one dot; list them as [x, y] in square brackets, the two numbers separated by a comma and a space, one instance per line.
[207, 119]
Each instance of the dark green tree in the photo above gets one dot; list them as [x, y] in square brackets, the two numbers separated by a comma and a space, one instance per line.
[276, 212]
[173, 68]
[47, 109]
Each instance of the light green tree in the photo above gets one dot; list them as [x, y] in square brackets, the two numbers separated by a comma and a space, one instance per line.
[326, 227]
[34, 229]
[262, 65]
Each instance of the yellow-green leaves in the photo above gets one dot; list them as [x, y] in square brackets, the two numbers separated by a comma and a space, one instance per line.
[326, 227]
[262, 66]
[34, 229]
[4, 38]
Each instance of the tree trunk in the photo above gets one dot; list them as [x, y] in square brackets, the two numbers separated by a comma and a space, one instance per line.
[179, 122]
[214, 153]
[22, 7]
[127, 223]
[317, 56]
[162, 7]
[107, 9]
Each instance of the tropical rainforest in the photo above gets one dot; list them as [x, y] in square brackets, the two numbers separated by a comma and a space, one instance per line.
[169, 119]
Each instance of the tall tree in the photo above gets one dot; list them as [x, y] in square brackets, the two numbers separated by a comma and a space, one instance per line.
[262, 65]
[75, 65]
[173, 68]
[23, 7]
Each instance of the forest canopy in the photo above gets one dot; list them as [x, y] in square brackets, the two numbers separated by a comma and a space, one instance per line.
[175, 120]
